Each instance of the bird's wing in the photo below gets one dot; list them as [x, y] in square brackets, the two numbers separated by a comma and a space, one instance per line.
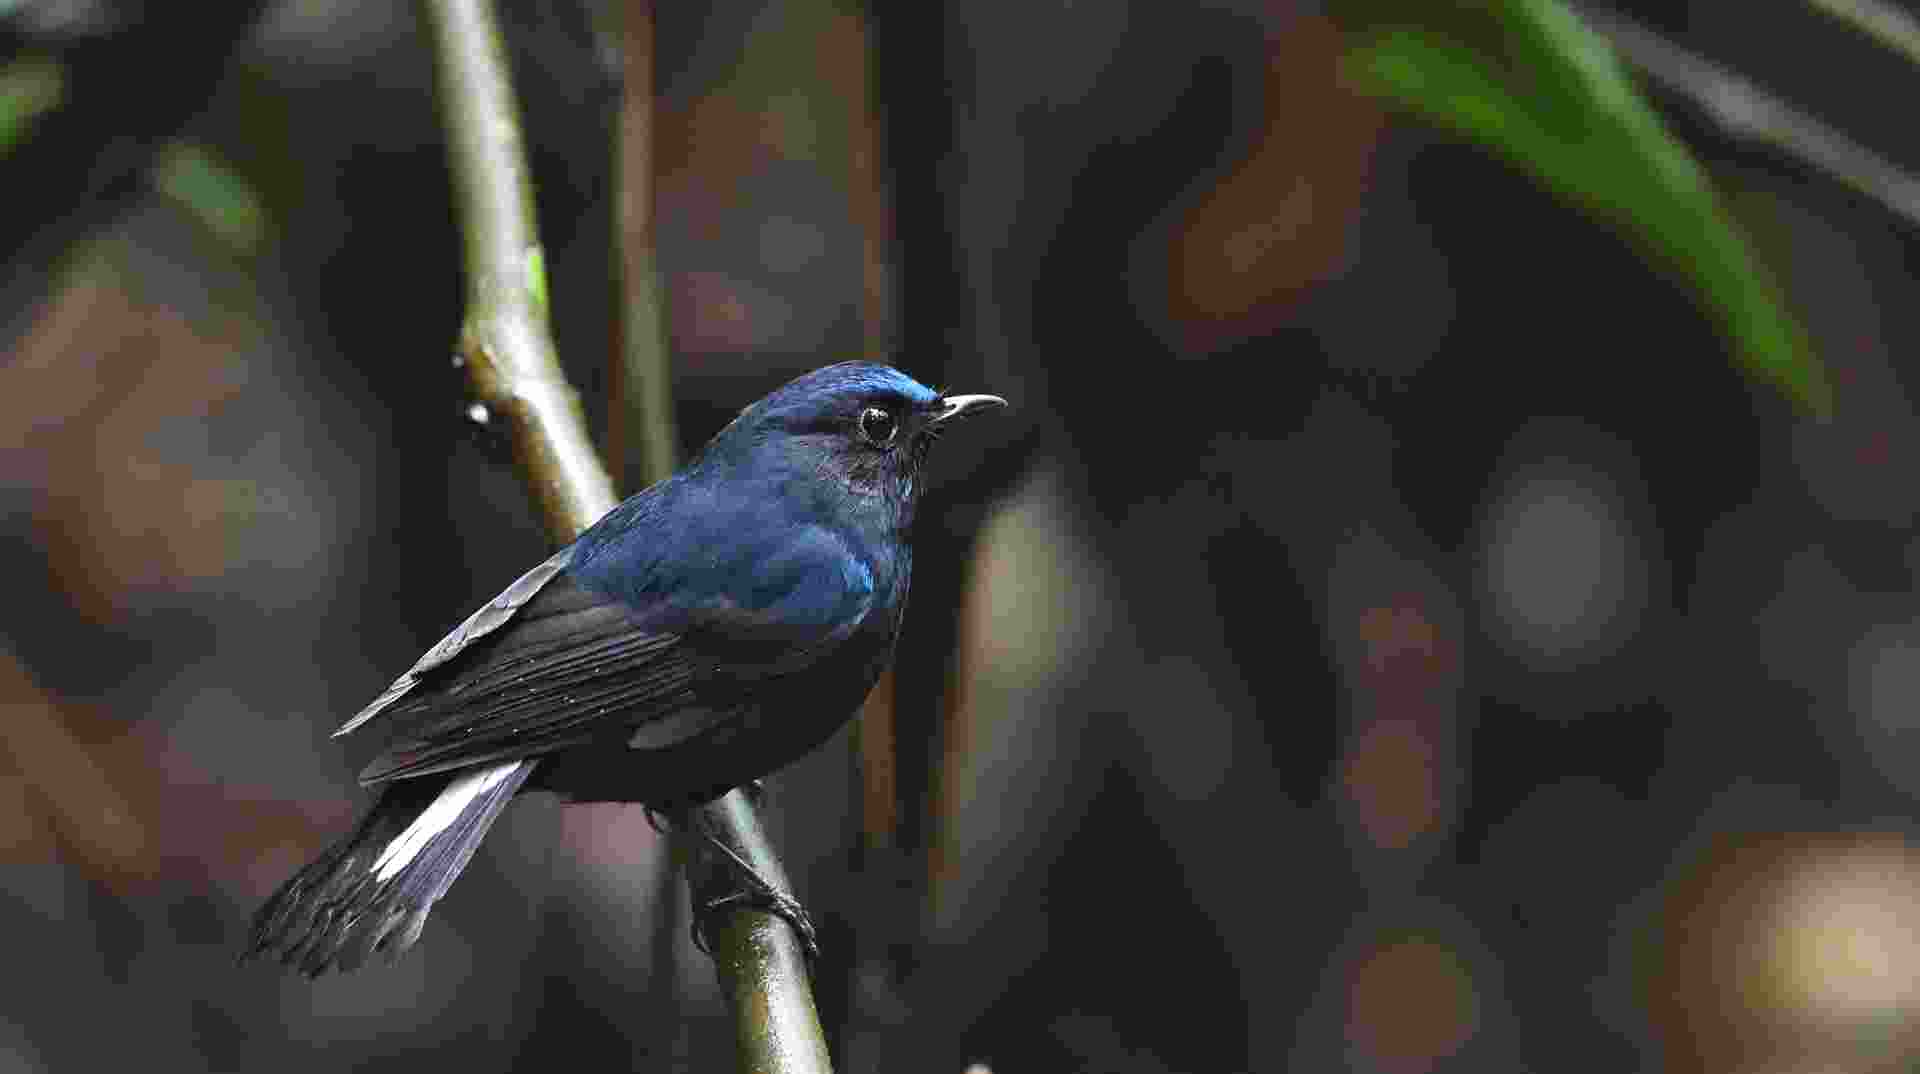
[567, 657]
[571, 658]
[494, 614]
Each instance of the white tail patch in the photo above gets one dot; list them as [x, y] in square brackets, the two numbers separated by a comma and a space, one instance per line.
[444, 813]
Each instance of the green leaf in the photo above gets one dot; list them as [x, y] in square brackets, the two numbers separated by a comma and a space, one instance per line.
[1579, 125]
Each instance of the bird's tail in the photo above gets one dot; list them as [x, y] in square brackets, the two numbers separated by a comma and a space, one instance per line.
[372, 890]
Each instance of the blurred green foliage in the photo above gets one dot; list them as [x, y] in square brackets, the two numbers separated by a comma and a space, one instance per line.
[29, 87]
[214, 192]
[1527, 79]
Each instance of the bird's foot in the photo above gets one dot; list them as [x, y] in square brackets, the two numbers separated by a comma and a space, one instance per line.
[755, 893]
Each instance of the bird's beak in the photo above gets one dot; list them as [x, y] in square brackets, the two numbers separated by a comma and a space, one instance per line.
[960, 406]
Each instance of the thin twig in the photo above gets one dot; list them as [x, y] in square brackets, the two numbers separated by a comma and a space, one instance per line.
[509, 355]
[1884, 23]
[1745, 110]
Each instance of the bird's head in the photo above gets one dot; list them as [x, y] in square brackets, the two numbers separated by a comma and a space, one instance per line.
[866, 427]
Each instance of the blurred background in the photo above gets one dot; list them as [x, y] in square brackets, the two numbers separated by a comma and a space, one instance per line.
[1445, 599]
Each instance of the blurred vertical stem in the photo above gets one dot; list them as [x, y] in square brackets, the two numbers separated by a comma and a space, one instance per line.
[507, 349]
[640, 410]
[638, 370]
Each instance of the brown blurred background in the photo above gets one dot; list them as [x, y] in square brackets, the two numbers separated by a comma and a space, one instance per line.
[1390, 635]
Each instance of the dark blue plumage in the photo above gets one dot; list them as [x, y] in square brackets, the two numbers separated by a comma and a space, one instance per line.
[705, 632]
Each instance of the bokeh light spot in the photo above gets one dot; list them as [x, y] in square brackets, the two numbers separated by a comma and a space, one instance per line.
[1411, 1004]
[1392, 782]
[1845, 939]
[1883, 685]
[1562, 569]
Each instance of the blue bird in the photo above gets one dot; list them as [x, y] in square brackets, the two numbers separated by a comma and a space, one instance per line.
[702, 634]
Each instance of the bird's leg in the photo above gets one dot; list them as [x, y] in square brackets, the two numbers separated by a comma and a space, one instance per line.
[754, 893]
[749, 890]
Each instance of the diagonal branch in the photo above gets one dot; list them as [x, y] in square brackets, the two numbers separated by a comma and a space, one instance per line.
[1885, 23]
[505, 342]
[508, 352]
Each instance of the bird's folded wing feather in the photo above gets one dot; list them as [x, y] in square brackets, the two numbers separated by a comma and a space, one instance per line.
[568, 658]
[553, 660]
[488, 619]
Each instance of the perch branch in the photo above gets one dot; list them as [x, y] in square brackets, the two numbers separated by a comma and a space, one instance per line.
[514, 373]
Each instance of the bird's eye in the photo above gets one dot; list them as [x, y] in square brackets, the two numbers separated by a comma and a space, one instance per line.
[878, 426]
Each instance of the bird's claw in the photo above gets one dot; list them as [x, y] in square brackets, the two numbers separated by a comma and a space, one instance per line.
[757, 895]
[754, 892]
